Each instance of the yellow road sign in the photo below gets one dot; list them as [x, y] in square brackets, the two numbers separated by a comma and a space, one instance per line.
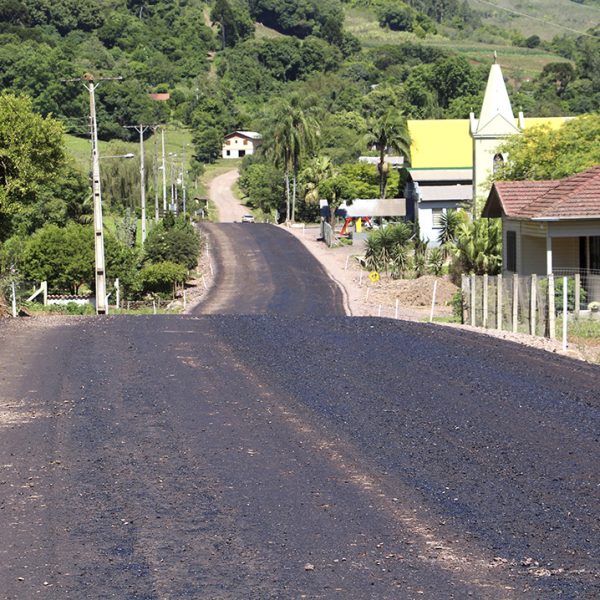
[374, 276]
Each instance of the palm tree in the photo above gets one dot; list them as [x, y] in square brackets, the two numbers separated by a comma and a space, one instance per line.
[295, 134]
[306, 133]
[319, 169]
[281, 150]
[388, 132]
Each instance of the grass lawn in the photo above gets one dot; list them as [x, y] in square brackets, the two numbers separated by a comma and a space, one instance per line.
[263, 32]
[176, 139]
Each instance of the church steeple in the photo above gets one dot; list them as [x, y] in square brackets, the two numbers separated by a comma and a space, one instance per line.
[496, 122]
[496, 102]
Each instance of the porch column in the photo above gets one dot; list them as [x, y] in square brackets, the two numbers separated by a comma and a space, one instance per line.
[548, 254]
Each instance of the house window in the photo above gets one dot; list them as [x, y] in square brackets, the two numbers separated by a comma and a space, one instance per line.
[436, 217]
[227, 142]
[228, 152]
[511, 251]
[245, 142]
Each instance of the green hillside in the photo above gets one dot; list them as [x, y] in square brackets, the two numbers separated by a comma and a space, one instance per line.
[519, 63]
[550, 17]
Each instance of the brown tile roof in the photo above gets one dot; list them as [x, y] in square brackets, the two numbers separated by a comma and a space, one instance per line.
[574, 197]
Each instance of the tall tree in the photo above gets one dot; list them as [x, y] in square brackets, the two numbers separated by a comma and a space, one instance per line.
[295, 134]
[234, 21]
[33, 166]
[388, 132]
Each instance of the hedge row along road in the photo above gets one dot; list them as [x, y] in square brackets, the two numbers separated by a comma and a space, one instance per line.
[271, 447]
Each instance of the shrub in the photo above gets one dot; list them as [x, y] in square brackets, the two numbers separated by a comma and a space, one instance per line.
[436, 261]
[457, 306]
[160, 278]
[397, 18]
[173, 240]
[62, 256]
[388, 246]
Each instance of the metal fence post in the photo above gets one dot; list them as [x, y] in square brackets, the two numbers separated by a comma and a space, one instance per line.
[577, 294]
[432, 301]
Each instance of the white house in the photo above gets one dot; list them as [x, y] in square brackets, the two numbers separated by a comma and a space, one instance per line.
[240, 143]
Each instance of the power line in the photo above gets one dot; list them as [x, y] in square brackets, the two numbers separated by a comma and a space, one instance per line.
[520, 14]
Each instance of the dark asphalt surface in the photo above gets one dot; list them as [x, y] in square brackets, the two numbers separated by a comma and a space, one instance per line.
[285, 456]
[261, 269]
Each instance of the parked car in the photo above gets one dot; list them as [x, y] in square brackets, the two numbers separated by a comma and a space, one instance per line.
[248, 219]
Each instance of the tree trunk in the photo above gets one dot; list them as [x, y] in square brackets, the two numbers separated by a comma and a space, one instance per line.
[294, 178]
[287, 194]
[381, 172]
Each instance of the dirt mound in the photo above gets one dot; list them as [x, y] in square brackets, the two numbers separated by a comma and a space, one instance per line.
[413, 292]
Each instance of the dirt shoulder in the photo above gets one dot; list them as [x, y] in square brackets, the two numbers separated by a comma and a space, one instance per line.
[392, 299]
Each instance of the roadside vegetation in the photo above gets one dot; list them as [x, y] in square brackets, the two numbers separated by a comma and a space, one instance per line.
[323, 82]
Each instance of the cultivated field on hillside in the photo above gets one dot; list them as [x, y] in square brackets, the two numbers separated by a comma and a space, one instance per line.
[518, 63]
[554, 12]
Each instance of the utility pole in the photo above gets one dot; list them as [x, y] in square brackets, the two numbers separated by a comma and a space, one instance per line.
[164, 171]
[141, 130]
[183, 181]
[100, 267]
[155, 171]
[99, 264]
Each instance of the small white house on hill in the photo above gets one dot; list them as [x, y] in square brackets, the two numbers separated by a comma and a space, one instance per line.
[240, 143]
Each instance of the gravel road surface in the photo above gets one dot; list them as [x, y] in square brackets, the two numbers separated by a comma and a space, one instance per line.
[274, 454]
[228, 207]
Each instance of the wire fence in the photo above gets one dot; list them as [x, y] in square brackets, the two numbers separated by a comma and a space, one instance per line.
[17, 295]
[525, 304]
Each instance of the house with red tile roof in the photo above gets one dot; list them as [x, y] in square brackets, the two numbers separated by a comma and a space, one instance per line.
[549, 226]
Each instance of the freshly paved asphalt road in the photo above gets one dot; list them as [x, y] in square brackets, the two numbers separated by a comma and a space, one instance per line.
[260, 456]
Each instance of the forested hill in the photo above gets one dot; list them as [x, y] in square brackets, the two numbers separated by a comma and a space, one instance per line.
[225, 61]
[264, 46]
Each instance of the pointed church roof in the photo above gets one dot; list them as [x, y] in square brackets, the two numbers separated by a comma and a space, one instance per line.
[496, 108]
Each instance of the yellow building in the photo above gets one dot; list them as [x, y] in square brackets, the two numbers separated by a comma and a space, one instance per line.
[452, 160]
